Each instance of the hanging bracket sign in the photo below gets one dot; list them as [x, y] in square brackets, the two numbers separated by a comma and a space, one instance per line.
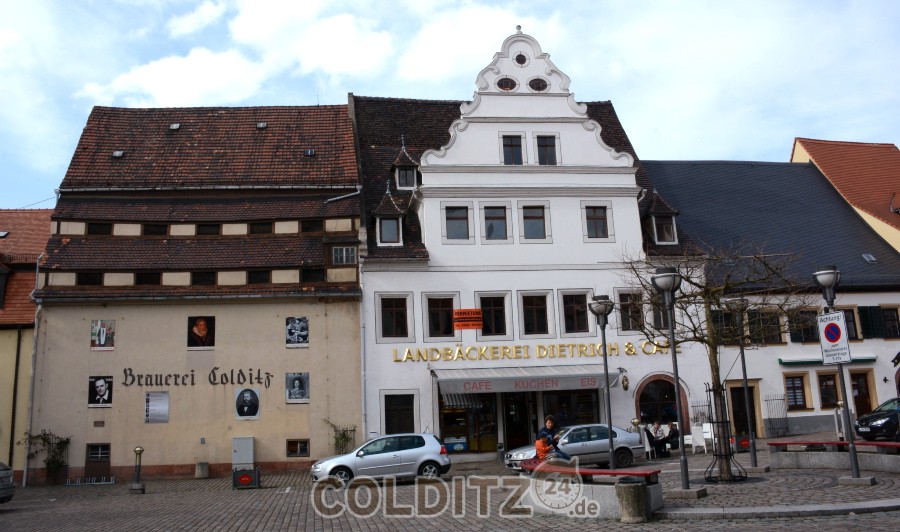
[833, 338]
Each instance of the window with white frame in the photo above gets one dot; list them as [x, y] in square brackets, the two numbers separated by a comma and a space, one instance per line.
[631, 311]
[546, 147]
[341, 255]
[439, 316]
[574, 312]
[406, 177]
[597, 221]
[389, 232]
[511, 145]
[394, 317]
[496, 315]
[456, 219]
[495, 223]
[535, 314]
[664, 229]
[534, 222]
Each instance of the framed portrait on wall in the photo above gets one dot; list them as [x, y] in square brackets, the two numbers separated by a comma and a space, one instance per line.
[103, 335]
[296, 387]
[296, 331]
[100, 392]
[201, 333]
[246, 403]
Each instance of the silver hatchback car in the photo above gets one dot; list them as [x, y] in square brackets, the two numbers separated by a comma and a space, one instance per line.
[7, 487]
[396, 455]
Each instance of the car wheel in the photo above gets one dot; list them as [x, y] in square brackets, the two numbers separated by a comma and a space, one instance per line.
[623, 458]
[430, 470]
[343, 475]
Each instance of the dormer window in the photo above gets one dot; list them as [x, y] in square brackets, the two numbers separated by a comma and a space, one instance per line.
[664, 229]
[406, 177]
[389, 231]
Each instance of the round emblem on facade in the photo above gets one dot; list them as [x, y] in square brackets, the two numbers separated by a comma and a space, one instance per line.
[556, 490]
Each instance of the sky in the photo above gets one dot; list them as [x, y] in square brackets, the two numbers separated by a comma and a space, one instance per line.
[689, 79]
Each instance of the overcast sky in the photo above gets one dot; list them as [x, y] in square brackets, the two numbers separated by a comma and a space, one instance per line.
[690, 79]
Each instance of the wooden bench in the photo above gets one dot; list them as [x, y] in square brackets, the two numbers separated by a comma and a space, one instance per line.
[648, 476]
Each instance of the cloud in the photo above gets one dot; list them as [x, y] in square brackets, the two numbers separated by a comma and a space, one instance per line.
[202, 78]
[206, 14]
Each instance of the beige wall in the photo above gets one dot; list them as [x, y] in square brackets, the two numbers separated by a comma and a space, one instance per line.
[8, 340]
[152, 339]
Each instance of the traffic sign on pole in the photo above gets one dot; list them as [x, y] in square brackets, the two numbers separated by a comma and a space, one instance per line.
[833, 338]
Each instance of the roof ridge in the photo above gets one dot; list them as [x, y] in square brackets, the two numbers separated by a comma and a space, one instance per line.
[847, 142]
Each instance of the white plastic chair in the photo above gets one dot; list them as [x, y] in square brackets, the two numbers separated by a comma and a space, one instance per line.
[698, 439]
[649, 450]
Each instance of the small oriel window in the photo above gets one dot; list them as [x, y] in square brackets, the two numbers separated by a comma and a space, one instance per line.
[665, 229]
[406, 177]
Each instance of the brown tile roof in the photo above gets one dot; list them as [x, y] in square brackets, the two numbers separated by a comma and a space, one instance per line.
[238, 252]
[28, 232]
[867, 175]
[200, 207]
[214, 147]
[18, 307]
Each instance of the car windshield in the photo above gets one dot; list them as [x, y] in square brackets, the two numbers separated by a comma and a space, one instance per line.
[890, 406]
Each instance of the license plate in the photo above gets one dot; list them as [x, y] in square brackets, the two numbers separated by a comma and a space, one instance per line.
[864, 429]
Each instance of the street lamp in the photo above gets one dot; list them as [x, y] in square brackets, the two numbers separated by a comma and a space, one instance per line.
[667, 281]
[827, 277]
[601, 307]
[738, 306]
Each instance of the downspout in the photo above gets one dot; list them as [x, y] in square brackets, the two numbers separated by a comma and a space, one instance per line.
[15, 395]
[34, 344]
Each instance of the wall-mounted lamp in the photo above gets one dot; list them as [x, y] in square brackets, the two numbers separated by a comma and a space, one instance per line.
[622, 370]
[625, 382]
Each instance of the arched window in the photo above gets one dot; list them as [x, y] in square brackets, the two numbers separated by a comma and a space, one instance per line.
[657, 402]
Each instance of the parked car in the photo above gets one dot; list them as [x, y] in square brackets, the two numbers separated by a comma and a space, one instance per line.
[7, 487]
[396, 455]
[883, 422]
[590, 443]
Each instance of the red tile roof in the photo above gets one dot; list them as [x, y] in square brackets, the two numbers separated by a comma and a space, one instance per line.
[28, 231]
[18, 308]
[214, 147]
[867, 175]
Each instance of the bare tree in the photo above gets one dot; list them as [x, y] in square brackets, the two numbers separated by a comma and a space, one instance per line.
[768, 281]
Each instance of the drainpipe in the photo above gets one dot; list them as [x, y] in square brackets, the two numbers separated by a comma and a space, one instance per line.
[15, 395]
[350, 195]
[34, 345]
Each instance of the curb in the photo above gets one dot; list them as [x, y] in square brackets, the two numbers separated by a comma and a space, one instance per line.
[806, 510]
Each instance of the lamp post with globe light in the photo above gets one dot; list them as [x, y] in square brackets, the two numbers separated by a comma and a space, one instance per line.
[827, 277]
[601, 307]
[667, 281]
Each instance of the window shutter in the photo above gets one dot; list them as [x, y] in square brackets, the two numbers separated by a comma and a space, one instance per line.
[872, 322]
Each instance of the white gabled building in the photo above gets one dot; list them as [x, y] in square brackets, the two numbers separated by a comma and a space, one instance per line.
[520, 204]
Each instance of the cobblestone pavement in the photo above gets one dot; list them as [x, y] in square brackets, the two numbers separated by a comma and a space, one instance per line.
[284, 503]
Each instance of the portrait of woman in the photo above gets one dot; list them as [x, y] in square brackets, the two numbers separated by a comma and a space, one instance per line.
[296, 387]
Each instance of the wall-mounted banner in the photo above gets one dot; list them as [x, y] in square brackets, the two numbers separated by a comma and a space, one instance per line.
[103, 335]
[156, 407]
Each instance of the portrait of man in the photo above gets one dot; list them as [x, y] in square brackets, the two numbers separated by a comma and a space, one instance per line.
[296, 387]
[103, 335]
[201, 332]
[247, 403]
[100, 392]
[296, 331]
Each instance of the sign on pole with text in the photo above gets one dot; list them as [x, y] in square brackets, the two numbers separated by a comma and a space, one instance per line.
[833, 338]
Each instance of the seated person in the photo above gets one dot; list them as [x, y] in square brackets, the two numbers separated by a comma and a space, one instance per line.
[657, 440]
[548, 435]
[672, 438]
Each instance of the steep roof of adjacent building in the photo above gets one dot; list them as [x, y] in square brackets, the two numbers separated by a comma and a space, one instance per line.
[867, 175]
[214, 147]
[25, 234]
[777, 208]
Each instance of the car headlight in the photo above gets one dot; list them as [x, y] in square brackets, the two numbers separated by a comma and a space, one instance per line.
[878, 422]
[316, 467]
[520, 455]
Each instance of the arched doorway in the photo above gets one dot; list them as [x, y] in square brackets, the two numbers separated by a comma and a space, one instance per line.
[656, 400]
